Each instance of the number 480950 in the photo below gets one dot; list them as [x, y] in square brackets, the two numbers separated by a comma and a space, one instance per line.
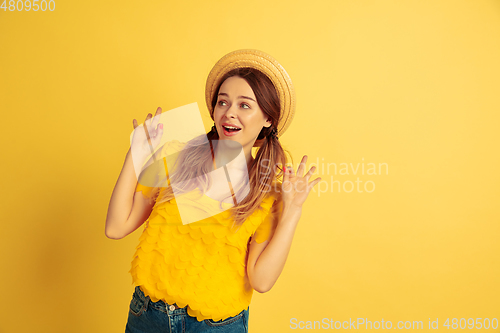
[26, 5]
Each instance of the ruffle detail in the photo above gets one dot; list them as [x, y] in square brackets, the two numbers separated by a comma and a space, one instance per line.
[271, 208]
[201, 265]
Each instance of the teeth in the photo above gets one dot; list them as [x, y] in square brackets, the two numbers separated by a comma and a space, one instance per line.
[231, 127]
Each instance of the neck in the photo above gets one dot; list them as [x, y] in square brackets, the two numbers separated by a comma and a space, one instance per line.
[232, 155]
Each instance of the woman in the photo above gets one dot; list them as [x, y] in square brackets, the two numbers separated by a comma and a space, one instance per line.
[200, 276]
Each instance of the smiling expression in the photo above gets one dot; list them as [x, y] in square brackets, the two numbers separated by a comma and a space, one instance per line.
[237, 106]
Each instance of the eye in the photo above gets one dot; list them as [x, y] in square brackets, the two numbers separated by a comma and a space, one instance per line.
[222, 103]
[245, 106]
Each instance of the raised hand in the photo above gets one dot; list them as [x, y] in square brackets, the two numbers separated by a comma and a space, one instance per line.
[147, 137]
[296, 187]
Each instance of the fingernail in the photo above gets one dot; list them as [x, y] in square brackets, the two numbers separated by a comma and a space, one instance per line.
[161, 126]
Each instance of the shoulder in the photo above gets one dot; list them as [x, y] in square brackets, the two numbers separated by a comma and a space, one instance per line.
[276, 190]
[170, 151]
[273, 196]
[172, 147]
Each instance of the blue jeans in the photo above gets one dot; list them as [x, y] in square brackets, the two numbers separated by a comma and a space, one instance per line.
[147, 316]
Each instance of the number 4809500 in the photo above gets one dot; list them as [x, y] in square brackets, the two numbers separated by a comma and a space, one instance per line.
[471, 323]
[26, 5]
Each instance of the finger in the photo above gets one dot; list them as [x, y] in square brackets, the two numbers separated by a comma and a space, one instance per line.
[302, 166]
[158, 135]
[314, 182]
[310, 172]
[286, 173]
[145, 125]
[291, 172]
[134, 123]
[147, 128]
[147, 122]
[156, 118]
[152, 122]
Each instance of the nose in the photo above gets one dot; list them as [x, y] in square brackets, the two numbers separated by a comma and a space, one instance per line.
[231, 111]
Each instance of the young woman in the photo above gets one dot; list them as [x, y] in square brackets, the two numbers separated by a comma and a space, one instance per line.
[200, 276]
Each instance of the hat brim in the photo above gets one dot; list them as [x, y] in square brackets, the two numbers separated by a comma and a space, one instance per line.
[267, 65]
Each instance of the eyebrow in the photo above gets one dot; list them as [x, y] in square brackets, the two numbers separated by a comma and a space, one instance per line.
[246, 97]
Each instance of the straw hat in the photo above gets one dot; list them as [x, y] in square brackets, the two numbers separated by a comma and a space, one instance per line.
[267, 65]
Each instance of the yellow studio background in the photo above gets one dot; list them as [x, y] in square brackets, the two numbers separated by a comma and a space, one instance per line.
[408, 86]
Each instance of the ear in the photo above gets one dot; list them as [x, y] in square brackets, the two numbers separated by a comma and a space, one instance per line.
[268, 122]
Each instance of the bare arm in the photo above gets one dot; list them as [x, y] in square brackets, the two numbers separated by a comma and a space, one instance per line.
[127, 209]
[123, 200]
[266, 260]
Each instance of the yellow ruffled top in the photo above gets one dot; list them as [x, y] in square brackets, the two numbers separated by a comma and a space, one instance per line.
[201, 265]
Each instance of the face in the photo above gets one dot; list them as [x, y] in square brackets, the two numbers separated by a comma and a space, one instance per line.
[237, 106]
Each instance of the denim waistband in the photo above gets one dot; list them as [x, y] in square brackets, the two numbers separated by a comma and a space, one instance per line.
[160, 305]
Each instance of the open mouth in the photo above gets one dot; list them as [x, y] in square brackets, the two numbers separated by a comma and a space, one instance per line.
[231, 129]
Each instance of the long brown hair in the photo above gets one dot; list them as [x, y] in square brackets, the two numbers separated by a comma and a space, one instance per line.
[266, 169]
